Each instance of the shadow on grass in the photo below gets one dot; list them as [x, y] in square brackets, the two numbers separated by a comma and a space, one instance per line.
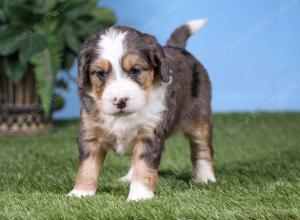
[170, 174]
[115, 189]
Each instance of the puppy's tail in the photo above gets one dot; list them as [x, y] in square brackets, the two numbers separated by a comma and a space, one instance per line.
[181, 34]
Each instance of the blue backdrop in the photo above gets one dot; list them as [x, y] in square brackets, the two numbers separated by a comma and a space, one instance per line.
[250, 48]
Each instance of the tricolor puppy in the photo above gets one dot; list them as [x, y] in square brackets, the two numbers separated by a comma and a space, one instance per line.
[135, 93]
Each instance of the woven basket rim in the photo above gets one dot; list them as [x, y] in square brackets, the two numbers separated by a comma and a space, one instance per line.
[21, 109]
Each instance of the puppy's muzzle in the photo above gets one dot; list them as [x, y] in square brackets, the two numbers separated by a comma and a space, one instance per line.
[120, 103]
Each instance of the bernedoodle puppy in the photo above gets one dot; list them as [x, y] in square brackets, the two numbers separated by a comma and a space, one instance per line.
[135, 93]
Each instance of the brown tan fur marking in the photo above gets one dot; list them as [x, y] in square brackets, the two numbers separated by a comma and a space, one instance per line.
[146, 79]
[147, 86]
[143, 173]
[131, 60]
[89, 170]
[102, 64]
[97, 85]
[93, 154]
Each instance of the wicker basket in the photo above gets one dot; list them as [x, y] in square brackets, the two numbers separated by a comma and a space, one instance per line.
[20, 107]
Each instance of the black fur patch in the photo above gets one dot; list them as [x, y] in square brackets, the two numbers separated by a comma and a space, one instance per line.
[195, 82]
[88, 103]
[152, 152]
[83, 151]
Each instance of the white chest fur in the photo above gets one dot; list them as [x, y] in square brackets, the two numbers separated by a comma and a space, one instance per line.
[126, 128]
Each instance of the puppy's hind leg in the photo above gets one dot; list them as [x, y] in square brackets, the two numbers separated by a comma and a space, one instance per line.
[199, 134]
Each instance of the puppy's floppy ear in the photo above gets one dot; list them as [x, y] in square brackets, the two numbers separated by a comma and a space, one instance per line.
[158, 58]
[84, 58]
[83, 66]
[161, 64]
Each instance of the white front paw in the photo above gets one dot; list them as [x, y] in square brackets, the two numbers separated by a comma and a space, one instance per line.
[204, 172]
[81, 193]
[139, 191]
[206, 178]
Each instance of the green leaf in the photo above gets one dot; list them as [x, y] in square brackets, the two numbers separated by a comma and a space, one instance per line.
[80, 10]
[10, 39]
[88, 28]
[42, 6]
[55, 43]
[33, 44]
[2, 15]
[58, 102]
[69, 59]
[47, 63]
[104, 16]
[18, 12]
[14, 69]
[61, 84]
[44, 77]
[70, 38]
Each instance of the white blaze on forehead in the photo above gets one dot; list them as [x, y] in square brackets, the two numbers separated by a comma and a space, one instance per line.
[111, 47]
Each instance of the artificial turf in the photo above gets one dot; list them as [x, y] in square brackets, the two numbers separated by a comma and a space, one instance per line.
[257, 166]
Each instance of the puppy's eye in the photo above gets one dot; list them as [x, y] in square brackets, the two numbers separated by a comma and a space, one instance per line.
[135, 71]
[100, 74]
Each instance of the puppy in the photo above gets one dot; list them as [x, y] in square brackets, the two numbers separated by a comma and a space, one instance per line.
[136, 93]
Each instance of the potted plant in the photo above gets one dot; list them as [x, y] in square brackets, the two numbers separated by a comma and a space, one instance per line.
[37, 40]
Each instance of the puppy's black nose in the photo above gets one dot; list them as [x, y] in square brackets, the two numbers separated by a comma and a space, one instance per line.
[120, 103]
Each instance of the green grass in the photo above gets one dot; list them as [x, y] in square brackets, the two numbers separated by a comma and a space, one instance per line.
[257, 166]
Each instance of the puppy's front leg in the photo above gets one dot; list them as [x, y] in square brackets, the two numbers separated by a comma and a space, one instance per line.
[86, 182]
[146, 159]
